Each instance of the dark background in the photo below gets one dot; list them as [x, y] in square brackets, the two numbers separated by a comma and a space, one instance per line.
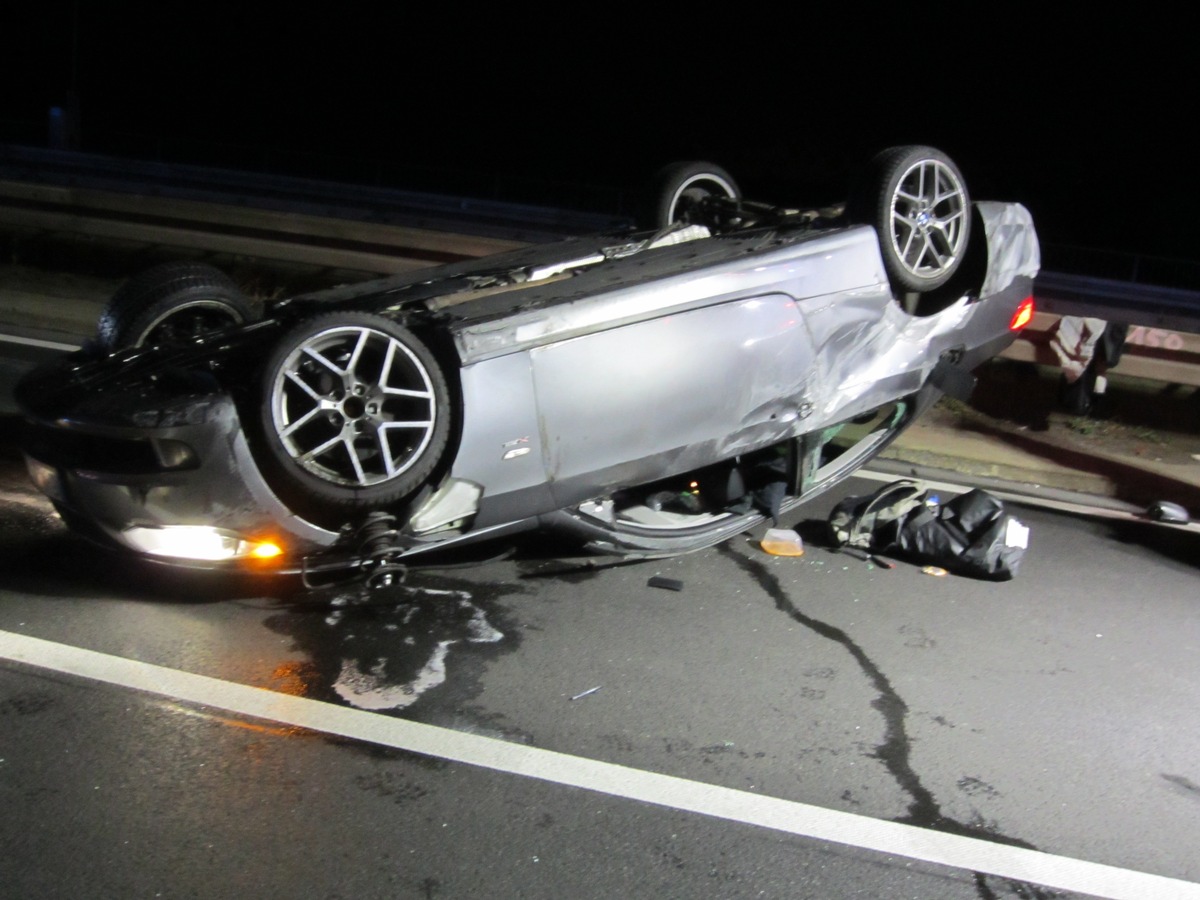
[1087, 119]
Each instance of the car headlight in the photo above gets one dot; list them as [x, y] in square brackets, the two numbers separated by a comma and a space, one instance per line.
[198, 542]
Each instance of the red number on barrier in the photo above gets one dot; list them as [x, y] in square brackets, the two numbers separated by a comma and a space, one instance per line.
[1154, 337]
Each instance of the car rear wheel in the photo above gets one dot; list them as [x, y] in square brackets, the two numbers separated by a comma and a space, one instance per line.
[357, 414]
[679, 191]
[170, 304]
[917, 200]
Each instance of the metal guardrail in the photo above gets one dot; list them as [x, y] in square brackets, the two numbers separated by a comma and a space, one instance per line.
[1156, 354]
[243, 231]
[132, 149]
[458, 214]
[1152, 306]
[1125, 268]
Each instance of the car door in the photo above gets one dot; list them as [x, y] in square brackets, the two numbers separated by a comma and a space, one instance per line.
[658, 397]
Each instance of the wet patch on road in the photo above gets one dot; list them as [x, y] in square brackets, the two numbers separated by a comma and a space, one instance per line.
[915, 637]
[387, 648]
[395, 787]
[27, 704]
[976, 787]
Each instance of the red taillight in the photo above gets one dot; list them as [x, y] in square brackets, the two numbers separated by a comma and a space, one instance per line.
[1022, 316]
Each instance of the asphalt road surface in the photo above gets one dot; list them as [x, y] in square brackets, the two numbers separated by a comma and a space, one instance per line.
[519, 722]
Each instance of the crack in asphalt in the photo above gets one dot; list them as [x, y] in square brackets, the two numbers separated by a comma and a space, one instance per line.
[894, 750]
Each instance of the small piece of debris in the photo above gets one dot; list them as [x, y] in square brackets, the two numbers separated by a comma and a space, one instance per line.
[935, 570]
[669, 584]
[582, 694]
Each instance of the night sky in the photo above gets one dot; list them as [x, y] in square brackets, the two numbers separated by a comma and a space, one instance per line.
[1088, 121]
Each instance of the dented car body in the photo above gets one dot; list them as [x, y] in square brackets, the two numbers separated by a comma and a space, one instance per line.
[635, 390]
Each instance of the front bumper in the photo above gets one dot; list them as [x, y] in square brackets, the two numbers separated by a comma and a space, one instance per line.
[177, 484]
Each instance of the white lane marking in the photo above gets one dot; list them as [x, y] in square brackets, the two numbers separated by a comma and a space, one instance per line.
[35, 342]
[800, 819]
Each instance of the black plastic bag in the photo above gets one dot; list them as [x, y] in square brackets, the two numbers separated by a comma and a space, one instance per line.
[970, 535]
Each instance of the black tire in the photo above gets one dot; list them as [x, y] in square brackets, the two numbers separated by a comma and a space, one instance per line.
[916, 199]
[678, 191]
[171, 303]
[330, 420]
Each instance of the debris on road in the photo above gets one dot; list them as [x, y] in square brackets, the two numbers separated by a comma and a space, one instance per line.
[782, 542]
[1166, 511]
[971, 534]
[668, 584]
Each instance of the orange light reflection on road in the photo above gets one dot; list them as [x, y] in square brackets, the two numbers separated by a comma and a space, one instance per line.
[294, 678]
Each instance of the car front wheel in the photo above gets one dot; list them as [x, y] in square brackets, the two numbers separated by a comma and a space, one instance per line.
[357, 414]
[170, 304]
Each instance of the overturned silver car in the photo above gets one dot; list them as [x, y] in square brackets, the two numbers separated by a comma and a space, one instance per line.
[650, 392]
